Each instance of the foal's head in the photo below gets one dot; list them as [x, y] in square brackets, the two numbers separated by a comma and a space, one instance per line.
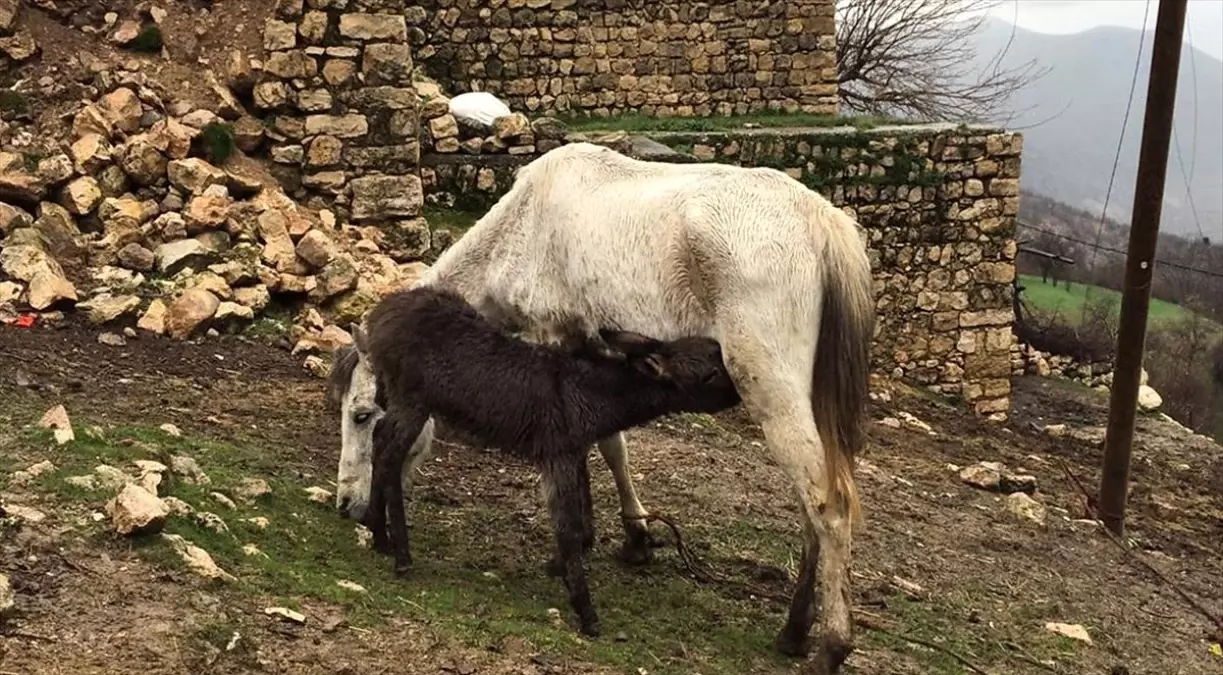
[692, 365]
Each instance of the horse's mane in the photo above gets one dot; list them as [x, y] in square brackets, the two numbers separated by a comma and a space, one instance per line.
[340, 379]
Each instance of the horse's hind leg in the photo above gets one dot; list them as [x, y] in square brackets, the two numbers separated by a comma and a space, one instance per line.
[774, 380]
[638, 544]
[563, 487]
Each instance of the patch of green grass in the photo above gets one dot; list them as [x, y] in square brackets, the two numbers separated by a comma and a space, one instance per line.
[1068, 302]
[645, 123]
[457, 219]
[477, 574]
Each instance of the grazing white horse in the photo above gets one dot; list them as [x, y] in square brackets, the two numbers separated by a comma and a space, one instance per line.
[588, 238]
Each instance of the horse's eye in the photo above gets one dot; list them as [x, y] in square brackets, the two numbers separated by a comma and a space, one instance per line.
[361, 418]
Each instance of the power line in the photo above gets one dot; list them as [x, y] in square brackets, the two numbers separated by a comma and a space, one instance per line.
[1142, 38]
[1097, 246]
[1176, 143]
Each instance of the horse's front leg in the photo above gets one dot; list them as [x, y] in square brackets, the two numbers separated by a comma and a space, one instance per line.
[638, 542]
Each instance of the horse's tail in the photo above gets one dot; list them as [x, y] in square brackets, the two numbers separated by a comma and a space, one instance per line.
[842, 360]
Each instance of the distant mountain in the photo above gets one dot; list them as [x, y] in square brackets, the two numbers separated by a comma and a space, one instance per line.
[1075, 113]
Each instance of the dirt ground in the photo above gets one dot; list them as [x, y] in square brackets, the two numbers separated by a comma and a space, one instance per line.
[936, 559]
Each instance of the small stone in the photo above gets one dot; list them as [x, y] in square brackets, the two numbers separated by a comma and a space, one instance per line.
[223, 500]
[259, 522]
[24, 514]
[286, 614]
[7, 598]
[111, 478]
[252, 550]
[47, 290]
[316, 248]
[175, 256]
[112, 340]
[105, 308]
[444, 127]
[318, 495]
[196, 558]
[82, 196]
[1149, 399]
[511, 127]
[194, 175]
[1025, 507]
[1071, 630]
[26, 476]
[126, 33]
[136, 257]
[251, 489]
[154, 318]
[188, 470]
[350, 586]
[177, 507]
[135, 510]
[210, 521]
[56, 419]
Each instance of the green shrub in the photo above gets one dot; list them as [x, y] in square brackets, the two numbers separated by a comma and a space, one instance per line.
[148, 41]
[217, 141]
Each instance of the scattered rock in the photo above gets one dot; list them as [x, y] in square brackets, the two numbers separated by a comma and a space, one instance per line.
[1071, 630]
[259, 522]
[135, 510]
[1148, 398]
[1023, 506]
[177, 255]
[210, 521]
[26, 476]
[188, 470]
[351, 586]
[154, 318]
[223, 500]
[286, 614]
[196, 558]
[252, 550]
[112, 340]
[8, 599]
[177, 507]
[365, 538]
[26, 515]
[105, 308]
[56, 419]
[318, 495]
[251, 489]
[190, 313]
[111, 478]
[994, 476]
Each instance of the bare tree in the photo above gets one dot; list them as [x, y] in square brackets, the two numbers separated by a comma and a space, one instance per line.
[916, 59]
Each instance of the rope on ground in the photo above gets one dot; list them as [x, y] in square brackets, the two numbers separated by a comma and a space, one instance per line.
[707, 575]
[1148, 566]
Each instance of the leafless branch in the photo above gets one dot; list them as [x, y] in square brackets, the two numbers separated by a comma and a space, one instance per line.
[915, 59]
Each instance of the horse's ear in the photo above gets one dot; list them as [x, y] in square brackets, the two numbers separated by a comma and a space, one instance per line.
[628, 342]
[359, 338]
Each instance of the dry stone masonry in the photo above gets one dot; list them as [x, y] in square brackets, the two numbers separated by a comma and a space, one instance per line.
[664, 58]
[337, 89]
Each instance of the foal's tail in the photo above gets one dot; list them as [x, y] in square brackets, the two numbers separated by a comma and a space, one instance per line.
[842, 359]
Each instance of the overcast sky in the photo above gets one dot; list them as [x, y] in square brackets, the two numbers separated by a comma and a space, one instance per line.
[1204, 21]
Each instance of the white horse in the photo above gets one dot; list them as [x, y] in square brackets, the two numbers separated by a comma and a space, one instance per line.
[588, 238]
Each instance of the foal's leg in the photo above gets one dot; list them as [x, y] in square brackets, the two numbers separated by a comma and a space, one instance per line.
[398, 440]
[555, 567]
[563, 487]
[375, 513]
[638, 544]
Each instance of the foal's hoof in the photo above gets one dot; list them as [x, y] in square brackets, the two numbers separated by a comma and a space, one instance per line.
[831, 655]
[795, 646]
[554, 568]
[591, 629]
[403, 570]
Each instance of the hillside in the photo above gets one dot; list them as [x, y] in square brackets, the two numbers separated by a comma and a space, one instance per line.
[1075, 115]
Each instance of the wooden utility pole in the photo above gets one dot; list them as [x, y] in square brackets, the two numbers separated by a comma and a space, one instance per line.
[1140, 260]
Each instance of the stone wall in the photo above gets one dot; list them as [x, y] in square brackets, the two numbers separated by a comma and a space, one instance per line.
[664, 58]
[939, 204]
[337, 94]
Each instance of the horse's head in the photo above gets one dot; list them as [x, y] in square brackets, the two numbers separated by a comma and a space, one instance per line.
[353, 389]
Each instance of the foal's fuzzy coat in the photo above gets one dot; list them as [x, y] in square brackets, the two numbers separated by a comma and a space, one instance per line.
[434, 355]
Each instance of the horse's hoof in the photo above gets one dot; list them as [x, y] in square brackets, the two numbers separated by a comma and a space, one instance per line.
[793, 646]
[591, 629]
[636, 553]
[403, 570]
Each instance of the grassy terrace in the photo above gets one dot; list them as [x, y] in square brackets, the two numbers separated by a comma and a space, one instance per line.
[1068, 302]
[723, 123]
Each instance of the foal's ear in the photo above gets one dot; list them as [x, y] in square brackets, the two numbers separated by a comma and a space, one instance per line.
[653, 365]
[633, 344]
